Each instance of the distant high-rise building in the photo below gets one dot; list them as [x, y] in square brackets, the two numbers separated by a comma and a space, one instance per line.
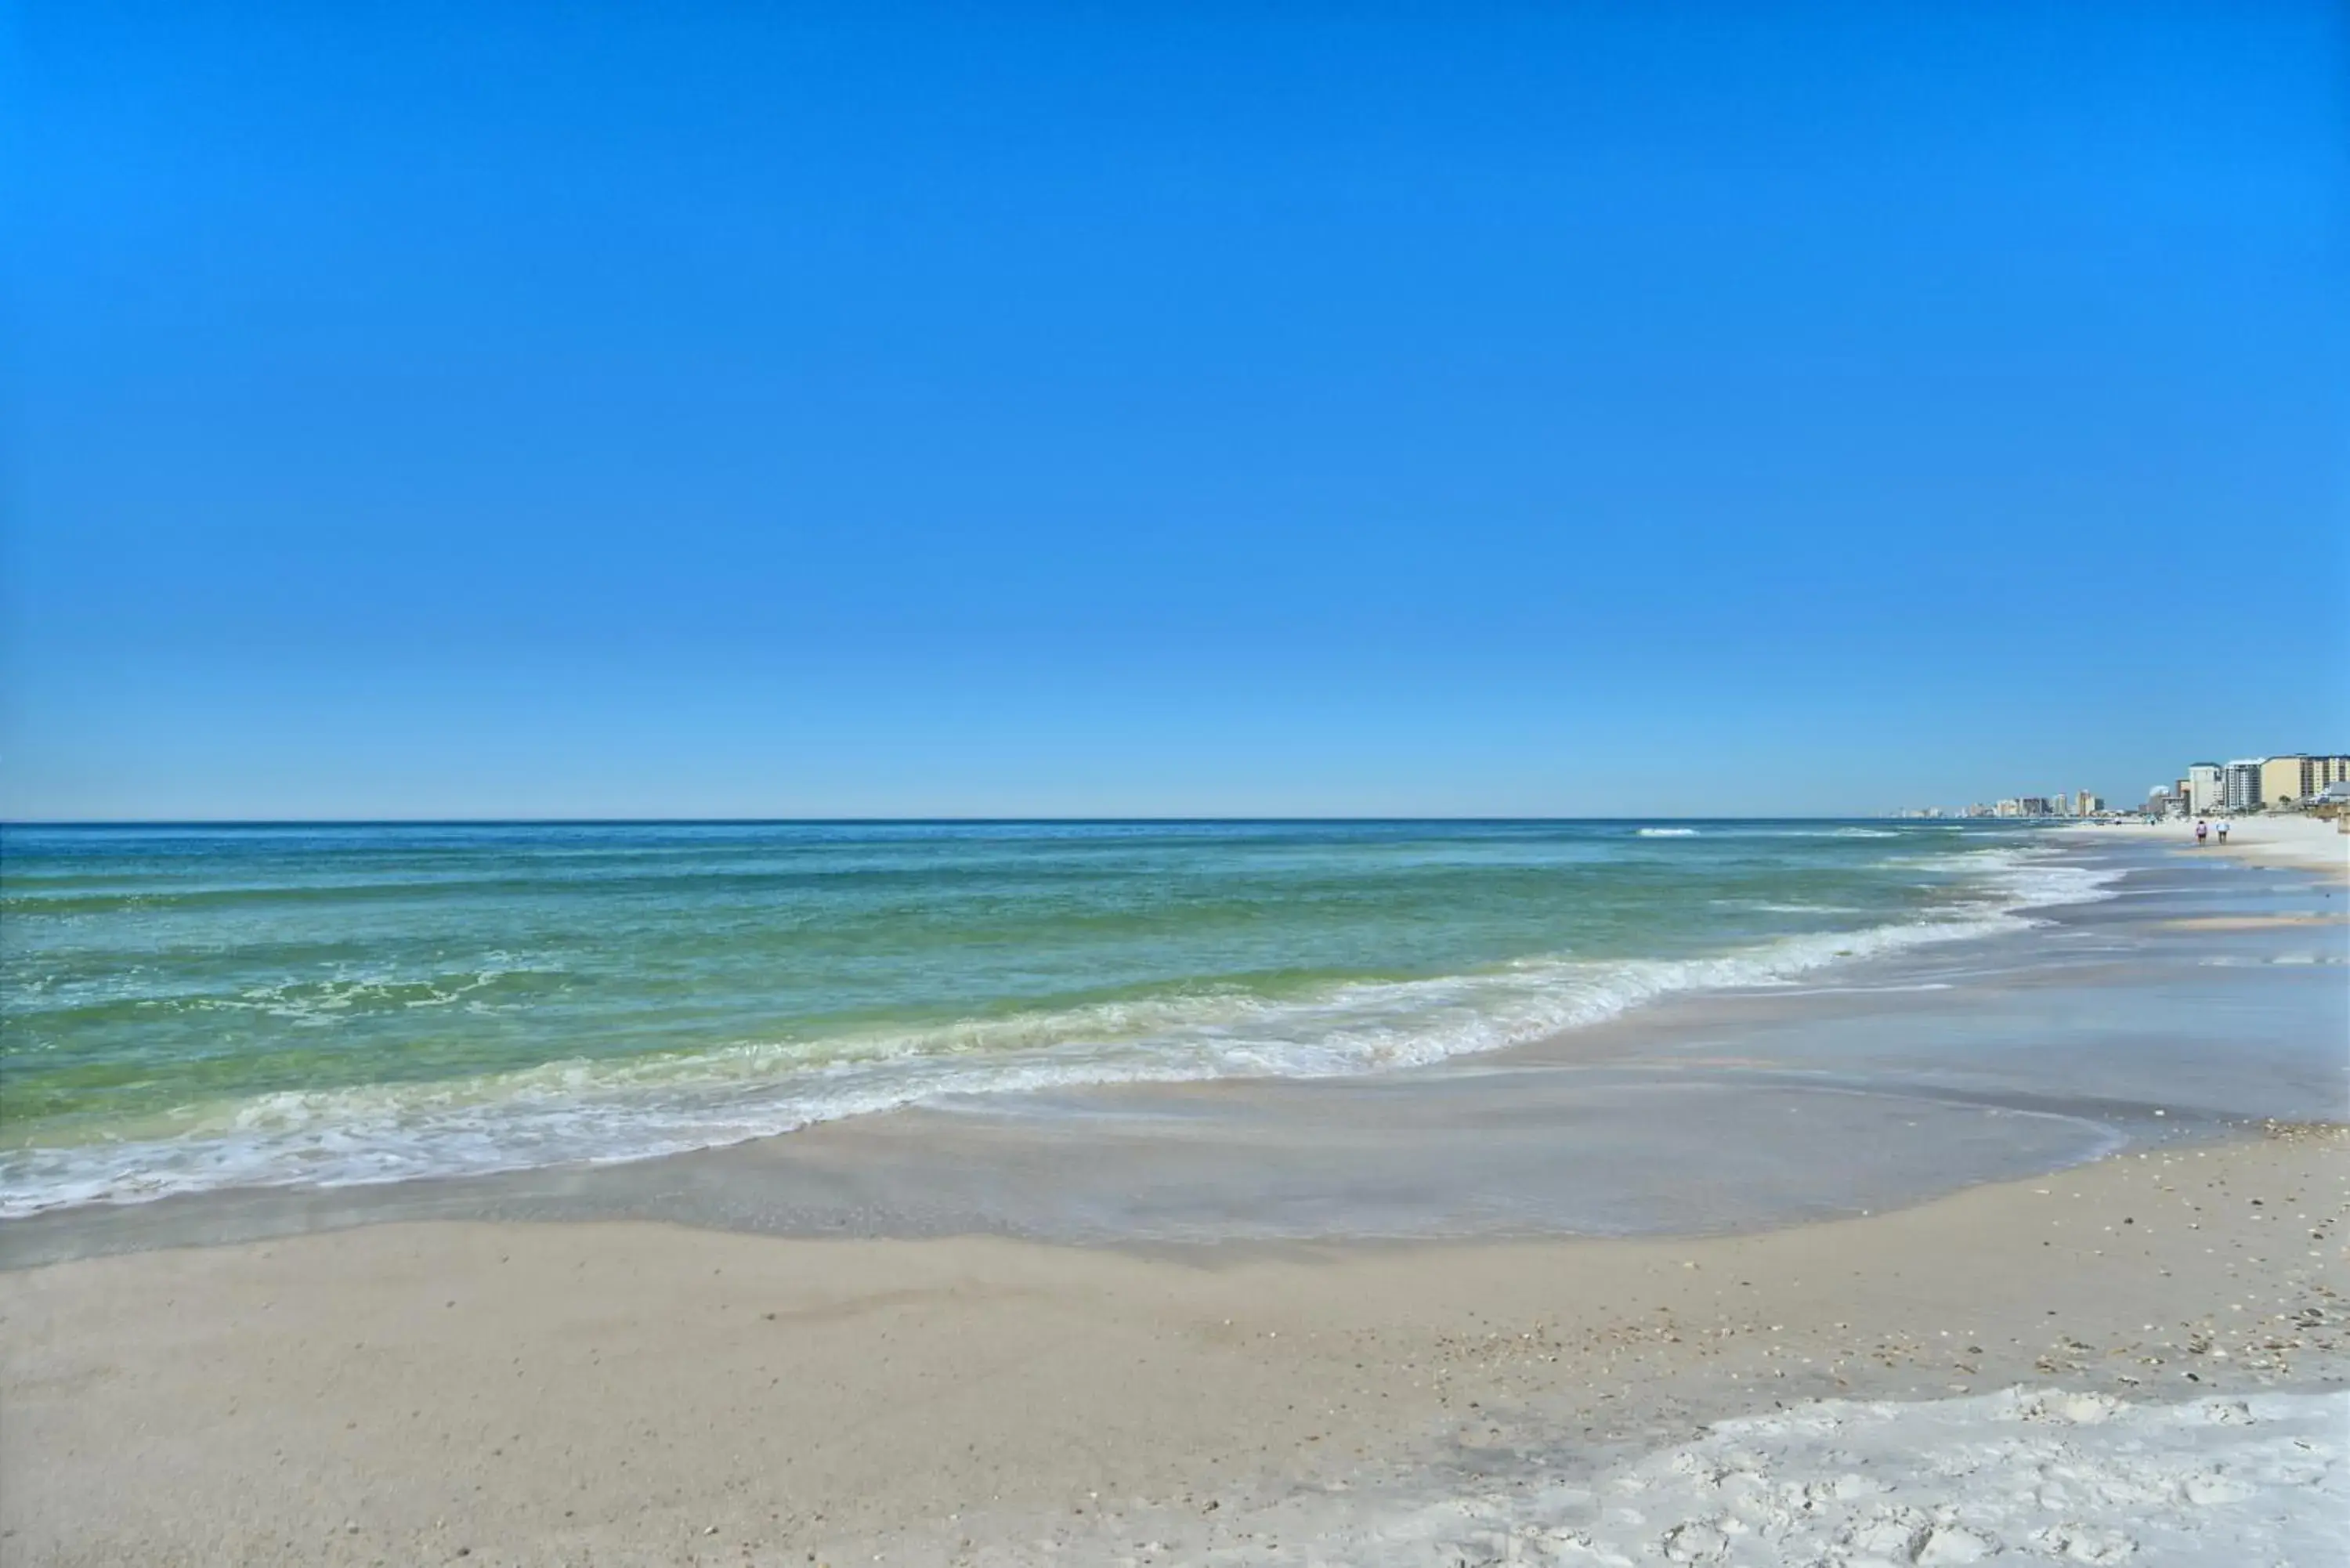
[2205, 790]
[2240, 787]
[2300, 777]
[2284, 779]
[2087, 805]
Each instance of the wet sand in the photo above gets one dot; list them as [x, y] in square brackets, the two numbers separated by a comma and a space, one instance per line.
[2249, 922]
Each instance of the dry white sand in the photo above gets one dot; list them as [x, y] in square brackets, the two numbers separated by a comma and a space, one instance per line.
[2218, 1482]
[638, 1394]
[2299, 843]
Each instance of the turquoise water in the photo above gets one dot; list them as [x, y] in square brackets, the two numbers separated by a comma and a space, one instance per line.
[190, 1008]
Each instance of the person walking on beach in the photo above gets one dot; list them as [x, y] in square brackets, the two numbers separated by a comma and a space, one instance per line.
[2223, 832]
[2201, 829]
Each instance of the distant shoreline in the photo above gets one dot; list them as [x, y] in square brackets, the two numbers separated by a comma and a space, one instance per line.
[159, 824]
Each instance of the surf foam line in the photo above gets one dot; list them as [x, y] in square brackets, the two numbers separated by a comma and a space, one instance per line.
[583, 1112]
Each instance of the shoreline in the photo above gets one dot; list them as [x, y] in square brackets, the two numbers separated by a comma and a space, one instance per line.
[623, 1393]
[134, 1121]
[1702, 1113]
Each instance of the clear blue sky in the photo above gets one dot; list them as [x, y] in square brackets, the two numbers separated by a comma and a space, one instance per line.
[479, 409]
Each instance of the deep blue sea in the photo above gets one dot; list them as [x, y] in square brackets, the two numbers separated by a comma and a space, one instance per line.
[191, 1008]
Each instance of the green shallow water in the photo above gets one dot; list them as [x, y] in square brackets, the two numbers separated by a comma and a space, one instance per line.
[209, 1006]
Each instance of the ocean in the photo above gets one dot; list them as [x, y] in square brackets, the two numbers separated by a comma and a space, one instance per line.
[196, 1008]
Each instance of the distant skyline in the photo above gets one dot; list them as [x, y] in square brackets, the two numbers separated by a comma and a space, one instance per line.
[714, 410]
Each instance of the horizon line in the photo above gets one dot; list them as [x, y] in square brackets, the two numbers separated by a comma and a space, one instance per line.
[902, 821]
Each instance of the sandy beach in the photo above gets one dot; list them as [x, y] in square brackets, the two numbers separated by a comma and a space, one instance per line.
[625, 1394]
[2296, 843]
